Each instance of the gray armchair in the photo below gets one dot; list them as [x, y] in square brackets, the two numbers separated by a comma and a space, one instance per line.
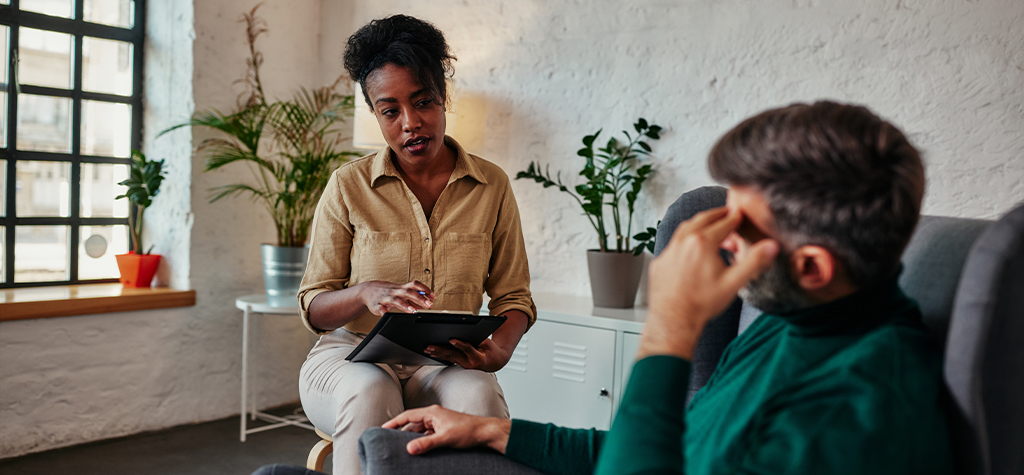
[968, 278]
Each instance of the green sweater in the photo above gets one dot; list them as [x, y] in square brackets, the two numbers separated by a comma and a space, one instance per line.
[849, 387]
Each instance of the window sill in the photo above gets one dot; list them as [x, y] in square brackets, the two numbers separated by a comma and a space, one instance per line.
[71, 300]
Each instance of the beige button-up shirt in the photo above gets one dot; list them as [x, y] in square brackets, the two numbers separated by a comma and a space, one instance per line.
[370, 226]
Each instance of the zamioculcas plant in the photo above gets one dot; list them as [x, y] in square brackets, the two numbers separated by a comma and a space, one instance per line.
[613, 180]
[143, 182]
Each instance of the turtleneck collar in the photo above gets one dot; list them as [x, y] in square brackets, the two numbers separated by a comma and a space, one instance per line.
[856, 313]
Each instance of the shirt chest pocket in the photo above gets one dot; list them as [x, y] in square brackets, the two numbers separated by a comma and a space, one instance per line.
[381, 256]
[467, 258]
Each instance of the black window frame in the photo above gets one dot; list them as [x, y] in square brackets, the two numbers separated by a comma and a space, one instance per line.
[12, 17]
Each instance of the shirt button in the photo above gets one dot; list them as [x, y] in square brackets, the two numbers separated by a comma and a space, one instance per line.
[426, 239]
[426, 270]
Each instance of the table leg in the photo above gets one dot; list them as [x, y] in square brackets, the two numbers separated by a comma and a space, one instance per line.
[245, 362]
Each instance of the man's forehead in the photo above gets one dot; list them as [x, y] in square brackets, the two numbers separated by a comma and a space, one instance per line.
[758, 221]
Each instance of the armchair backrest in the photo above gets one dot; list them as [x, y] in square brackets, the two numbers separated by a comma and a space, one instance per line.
[984, 366]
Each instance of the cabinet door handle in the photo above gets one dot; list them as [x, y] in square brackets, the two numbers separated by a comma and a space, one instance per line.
[603, 393]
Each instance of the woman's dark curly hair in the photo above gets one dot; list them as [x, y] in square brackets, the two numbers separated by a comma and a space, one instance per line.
[403, 41]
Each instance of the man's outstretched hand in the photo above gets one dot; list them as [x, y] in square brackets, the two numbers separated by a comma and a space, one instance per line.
[445, 428]
[688, 284]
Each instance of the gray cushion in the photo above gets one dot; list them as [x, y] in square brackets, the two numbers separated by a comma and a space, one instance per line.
[984, 366]
[932, 265]
[383, 452]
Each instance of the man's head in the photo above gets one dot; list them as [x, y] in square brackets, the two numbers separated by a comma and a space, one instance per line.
[839, 188]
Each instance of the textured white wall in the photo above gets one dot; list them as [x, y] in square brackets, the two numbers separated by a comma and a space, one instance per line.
[65, 381]
[950, 73]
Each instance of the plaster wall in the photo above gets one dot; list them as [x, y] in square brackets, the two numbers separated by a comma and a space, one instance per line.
[65, 381]
[542, 74]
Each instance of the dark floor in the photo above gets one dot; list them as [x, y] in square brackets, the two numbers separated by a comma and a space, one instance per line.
[211, 448]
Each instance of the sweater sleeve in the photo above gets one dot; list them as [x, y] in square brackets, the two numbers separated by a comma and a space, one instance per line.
[554, 450]
[647, 435]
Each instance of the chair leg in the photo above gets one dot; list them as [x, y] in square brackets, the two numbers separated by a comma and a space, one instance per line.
[320, 451]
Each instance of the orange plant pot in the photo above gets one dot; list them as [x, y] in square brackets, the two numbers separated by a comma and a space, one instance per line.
[137, 270]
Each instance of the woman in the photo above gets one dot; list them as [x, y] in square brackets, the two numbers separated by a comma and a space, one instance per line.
[420, 224]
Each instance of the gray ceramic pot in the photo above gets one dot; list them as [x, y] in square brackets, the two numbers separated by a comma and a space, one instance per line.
[282, 272]
[614, 277]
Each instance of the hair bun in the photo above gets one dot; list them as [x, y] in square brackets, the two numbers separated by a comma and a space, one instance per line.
[404, 41]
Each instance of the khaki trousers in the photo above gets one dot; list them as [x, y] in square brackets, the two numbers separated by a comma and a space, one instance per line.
[344, 399]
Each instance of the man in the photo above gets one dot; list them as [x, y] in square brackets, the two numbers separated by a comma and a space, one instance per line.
[838, 375]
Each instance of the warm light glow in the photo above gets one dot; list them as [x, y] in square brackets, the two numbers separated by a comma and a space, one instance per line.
[366, 133]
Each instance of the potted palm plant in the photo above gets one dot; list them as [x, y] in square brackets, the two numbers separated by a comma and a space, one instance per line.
[613, 181]
[291, 147]
[144, 177]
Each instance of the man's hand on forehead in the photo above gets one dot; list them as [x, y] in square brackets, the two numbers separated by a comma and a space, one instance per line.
[689, 283]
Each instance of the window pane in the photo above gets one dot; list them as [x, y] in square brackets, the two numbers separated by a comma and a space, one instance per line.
[97, 249]
[64, 8]
[41, 253]
[44, 58]
[110, 12]
[3, 254]
[99, 187]
[5, 33]
[106, 129]
[3, 188]
[43, 189]
[107, 66]
[44, 123]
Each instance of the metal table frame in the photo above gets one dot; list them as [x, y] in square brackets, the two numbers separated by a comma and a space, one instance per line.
[250, 304]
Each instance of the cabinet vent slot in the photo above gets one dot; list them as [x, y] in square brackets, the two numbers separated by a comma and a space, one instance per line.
[569, 369]
[569, 362]
[570, 354]
[566, 377]
[574, 362]
[520, 355]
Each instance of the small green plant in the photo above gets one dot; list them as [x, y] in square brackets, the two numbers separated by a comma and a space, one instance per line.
[143, 182]
[612, 177]
[290, 146]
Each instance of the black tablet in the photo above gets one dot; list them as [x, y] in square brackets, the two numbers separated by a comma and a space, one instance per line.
[400, 338]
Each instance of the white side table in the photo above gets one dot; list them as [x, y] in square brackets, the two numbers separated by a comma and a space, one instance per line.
[258, 304]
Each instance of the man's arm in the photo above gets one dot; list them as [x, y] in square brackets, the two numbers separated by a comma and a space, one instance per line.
[689, 285]
[544, 447]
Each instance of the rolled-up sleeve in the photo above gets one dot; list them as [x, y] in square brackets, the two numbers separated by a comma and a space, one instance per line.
[508, 280]
[330, 247]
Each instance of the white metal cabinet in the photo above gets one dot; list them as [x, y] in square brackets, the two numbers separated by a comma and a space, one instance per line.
[570, 368]
[562, 374]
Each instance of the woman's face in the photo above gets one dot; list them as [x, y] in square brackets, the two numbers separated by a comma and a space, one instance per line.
[411, 119]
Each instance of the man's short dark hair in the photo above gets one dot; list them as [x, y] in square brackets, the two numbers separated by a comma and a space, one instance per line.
[834, 175]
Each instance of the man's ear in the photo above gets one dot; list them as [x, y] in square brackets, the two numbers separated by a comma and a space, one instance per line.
[813, 267]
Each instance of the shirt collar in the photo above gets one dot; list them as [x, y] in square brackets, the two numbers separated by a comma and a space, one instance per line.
[856, 313]
[464, 166]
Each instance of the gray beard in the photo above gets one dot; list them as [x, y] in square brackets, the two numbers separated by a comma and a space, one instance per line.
[774, 291]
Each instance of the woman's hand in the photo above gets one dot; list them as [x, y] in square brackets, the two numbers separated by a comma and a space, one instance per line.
[486, 357]
[382, 297]
[493, 353]
[445, 428]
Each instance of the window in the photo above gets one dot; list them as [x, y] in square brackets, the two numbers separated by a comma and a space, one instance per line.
[70, 113]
